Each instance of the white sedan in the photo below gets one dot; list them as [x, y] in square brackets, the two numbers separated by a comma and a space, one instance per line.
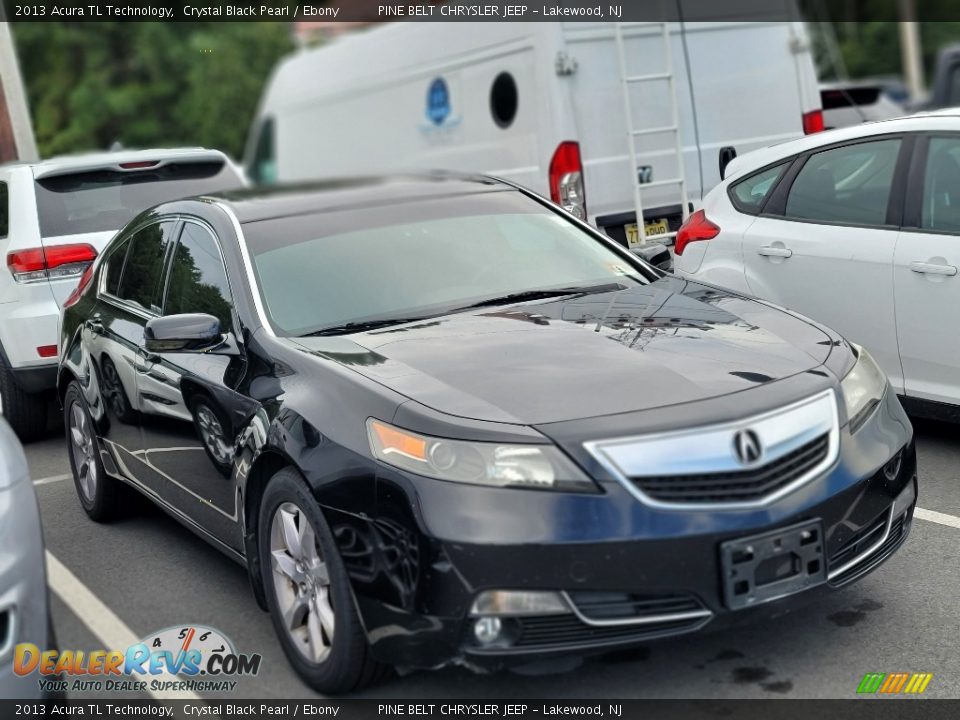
[858, 228]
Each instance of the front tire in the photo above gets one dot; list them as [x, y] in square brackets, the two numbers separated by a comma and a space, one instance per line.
[308, 591]
[100, 494]
[26, 412]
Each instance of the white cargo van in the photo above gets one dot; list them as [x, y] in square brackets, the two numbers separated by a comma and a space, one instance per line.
[546, 105]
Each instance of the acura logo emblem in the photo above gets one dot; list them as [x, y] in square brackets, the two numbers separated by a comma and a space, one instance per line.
[746, 446]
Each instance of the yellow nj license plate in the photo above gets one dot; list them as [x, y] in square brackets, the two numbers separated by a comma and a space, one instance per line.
[654, 228]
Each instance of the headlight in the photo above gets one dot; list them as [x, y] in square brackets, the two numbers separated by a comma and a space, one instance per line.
[863, 388]
[477, 463]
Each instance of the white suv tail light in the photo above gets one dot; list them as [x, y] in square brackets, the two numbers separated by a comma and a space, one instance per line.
[50, 263]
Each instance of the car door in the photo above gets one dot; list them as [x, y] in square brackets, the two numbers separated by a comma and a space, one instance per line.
[925, 275]
[824, 244]
[128, 296]
[189, 436]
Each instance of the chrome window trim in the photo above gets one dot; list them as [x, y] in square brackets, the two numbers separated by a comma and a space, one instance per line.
[704, 613]
[597, 449]
[248, 267]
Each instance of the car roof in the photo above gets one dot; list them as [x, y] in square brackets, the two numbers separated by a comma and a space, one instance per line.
[256, 204]
[112, 160]
[947, 119]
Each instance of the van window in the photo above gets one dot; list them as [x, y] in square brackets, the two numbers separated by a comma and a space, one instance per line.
[749, 194]
[4, 210]
[144, 267]
[262, 168]
[941, 186]
[504, 100]
[849, 185]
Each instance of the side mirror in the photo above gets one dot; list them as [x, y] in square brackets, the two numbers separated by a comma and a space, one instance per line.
[657, 255]
[188, 332]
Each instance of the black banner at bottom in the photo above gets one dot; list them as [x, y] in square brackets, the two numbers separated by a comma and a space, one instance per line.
[862, 708]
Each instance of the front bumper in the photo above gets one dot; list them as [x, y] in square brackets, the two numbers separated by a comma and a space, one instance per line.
[24, 611]
[632, 573]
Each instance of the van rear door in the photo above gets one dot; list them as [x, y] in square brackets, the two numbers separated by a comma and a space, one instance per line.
[751, 85]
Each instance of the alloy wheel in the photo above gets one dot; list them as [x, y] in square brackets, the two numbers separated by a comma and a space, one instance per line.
[84, 452]
[301, 583]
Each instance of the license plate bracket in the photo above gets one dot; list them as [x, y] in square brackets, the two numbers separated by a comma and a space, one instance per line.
[772, 565]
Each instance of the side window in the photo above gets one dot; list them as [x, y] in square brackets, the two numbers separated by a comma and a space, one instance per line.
[115, 266]
[941, 186]
[143, 270]
[748, 194]
[198, 279]
[4, 210]
[849, 185]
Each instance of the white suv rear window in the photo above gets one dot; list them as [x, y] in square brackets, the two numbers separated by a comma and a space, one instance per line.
[106, 200]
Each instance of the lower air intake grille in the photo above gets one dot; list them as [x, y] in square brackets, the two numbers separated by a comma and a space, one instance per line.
[555, 630]
[607, 606]
[898, 533]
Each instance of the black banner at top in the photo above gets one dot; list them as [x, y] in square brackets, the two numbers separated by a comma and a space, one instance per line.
[368, 11]
[523, 709]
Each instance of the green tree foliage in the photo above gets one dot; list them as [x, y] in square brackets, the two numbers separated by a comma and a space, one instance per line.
[868, 35]
[146, 84]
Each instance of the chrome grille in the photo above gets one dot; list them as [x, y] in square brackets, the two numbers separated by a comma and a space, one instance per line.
[740, 486]
[709, 467]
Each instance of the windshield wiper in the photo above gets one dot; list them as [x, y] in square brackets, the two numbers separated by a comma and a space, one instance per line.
[527, 295]
[360, 326]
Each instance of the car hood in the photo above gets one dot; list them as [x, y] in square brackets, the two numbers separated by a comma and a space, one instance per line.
[670, 342]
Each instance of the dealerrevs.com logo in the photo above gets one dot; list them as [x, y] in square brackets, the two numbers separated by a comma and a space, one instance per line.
[894, 683]
[187, 657]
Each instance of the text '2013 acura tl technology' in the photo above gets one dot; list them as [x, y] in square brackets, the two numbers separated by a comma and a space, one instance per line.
[441, 421]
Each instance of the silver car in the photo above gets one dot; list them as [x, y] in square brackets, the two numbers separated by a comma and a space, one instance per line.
[24, 607]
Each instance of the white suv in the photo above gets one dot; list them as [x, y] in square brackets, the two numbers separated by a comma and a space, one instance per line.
[55, 216]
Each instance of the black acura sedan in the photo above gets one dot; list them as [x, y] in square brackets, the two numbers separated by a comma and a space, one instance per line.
[441, 421]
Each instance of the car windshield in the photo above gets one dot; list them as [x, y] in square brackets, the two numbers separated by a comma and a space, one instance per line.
[106, 200]
[350, 270]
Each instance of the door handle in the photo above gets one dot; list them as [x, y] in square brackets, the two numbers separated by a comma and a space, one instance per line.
[772, 251]
[933, 269]
[95, 325]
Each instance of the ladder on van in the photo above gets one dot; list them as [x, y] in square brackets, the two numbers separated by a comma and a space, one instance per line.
[627, 81]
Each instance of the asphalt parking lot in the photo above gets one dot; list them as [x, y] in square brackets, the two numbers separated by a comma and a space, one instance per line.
[113, 583]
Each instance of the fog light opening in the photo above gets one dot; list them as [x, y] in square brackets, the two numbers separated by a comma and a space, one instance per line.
[487, 630]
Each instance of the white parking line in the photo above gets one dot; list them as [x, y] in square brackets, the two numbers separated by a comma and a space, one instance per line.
[99, 619]
[52, 479]
[937, 517]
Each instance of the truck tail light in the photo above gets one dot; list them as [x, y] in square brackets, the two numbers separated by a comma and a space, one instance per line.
[50, 263]
[697, 227]
[813, 122]
[566, 179]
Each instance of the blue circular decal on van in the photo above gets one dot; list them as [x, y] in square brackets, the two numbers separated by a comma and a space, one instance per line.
[438, 101]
